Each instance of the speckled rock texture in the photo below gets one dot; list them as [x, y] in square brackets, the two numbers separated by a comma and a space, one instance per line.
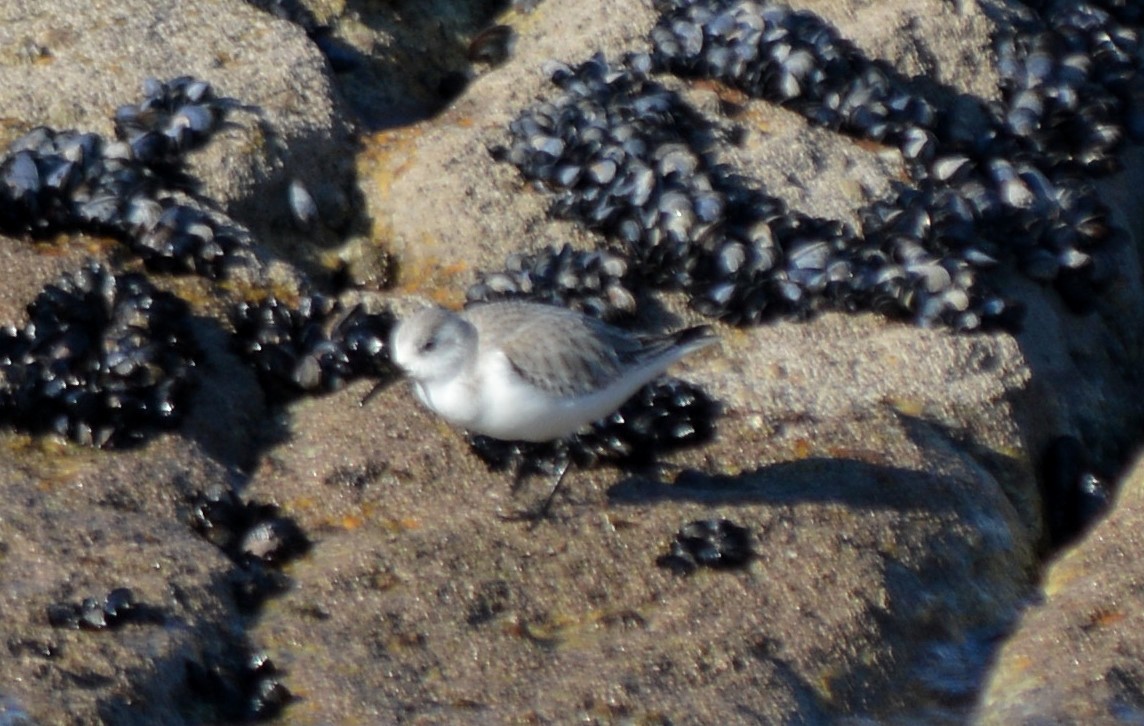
[1075, 655]
[888, 474]
[95, 59]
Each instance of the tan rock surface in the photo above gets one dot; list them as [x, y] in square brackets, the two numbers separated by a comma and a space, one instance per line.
[887, 473]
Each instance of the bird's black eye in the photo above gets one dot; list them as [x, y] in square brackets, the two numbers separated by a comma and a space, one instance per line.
[429, 345]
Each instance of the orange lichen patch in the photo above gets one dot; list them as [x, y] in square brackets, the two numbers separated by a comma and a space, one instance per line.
[406, 524]
[906, 406]
[1019, 663]
[388, 154]
[280, 290]
[393, 525]
[1104, 617]
[59, 478]
[874, 147]
[457, 268]
[56, 246]
[12, 129]
[60, 245]
[756, 117]
[725, 93]
[194, 290]
[432, 276]
[825, 684]
[51, 450]
[422, 270]
[301, 504]
[23, 443]
[802, 448]
[98, 245]
[52, 459]
[385, 157]
[350, 522]
[868, 456]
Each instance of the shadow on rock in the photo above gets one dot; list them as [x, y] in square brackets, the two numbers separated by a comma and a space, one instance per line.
[228, 416]
[845, 481]
[397, 63]
[216, 677]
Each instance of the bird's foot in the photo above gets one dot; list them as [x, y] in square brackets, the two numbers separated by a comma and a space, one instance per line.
[542, 512]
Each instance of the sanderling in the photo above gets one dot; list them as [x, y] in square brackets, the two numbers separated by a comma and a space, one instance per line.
[522, 371]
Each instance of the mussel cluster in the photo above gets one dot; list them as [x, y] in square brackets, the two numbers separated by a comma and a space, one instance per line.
[259, 540]
[790, 57]
[715, 543]
[629, 158]
[254, 536]
[173, 118]
[104, 359]
[626, 157]
[247, 532]
[991, 185]
[665, 415]
[1071, 81]
[117, 608]
[589, 281]
[312, 348]
[133, 188]
[244, 692]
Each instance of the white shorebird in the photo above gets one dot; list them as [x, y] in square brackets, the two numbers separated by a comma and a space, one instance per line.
[520, 371]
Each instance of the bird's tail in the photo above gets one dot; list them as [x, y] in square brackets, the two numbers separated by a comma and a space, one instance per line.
[675, 345]
[692, 339]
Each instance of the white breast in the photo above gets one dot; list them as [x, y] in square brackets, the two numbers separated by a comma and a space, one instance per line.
[513, 410]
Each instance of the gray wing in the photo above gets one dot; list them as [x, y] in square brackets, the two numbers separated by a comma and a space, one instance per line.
[559, 350]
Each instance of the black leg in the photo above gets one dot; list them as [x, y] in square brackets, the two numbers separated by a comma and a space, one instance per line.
[562, 462]
[520, 470]
[546, 505]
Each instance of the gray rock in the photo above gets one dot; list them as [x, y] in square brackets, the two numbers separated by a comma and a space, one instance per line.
[393, 66]
[1075, 655]
[76, 525]
[95, 58]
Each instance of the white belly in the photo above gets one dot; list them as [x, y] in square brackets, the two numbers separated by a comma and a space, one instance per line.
[505, 407]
